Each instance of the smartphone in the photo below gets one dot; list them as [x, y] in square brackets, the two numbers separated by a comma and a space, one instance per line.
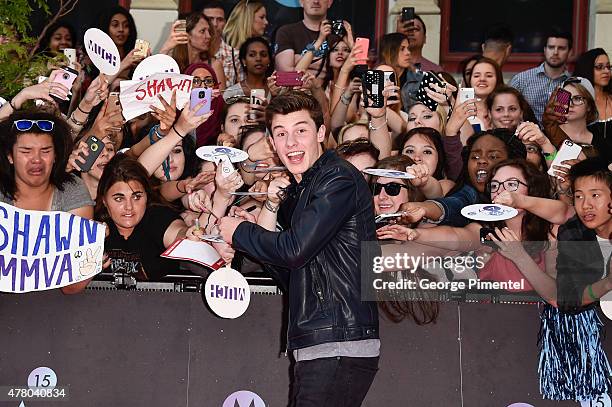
[373, 85]
[465, 94]
[113, 102]
[258, 96]
[407, 13]
[66, 78]
[484, 237]
[563, 99]
[181, 27]
[362, 56]
[95, 146]
[390, 80]
[198, 95]
[141, 48]
[568, 151]
[71, 55]
[292, 78]
[226, 166]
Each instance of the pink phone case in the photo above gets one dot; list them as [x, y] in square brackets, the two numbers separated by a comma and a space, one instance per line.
[198, 95]
[362, 56]
[563, 98]
[289, 78]
[66, 77]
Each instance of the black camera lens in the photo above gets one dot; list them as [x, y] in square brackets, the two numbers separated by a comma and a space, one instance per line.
[201, 94]
[65, 76]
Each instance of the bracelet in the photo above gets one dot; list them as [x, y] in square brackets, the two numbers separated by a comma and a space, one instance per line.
[12, 105]
[178, 189]
[370, 127]
[591, 293]
[345, 100]
[339, 87]
[268, 206]
[550, 156]
[158, 134]
[75, 121]
[83, 111]
[180, 135]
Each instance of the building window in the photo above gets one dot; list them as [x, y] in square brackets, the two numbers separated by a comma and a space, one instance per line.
[464, 23]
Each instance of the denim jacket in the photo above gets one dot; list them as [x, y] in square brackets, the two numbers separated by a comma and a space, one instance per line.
[451, 206]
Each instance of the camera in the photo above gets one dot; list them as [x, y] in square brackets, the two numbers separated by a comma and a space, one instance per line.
[202, 94]
[65, 76]
[338, 28]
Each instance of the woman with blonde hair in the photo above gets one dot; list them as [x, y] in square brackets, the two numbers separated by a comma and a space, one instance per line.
[247, 19]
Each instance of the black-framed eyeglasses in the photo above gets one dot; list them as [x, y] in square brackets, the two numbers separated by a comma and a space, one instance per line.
[391, 189]
[26, 124]
[347, 145]
[208, 81]
[509, 185]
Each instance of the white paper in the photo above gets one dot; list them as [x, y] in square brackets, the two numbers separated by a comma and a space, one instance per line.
[198, 252]
[137, 96]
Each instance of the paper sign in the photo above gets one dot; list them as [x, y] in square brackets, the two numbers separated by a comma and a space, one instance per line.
[160, 63]
[227, 293]
[102, 51]
[137, 96]
[45, 250]
[606, 304]
[602, 400]
[198, 252]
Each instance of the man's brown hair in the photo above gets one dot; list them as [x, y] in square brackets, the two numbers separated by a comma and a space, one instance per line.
[294, 101]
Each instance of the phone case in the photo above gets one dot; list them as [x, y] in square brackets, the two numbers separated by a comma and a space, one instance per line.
[70, 54]
[141, 48]
[563, 98]
[257, 96]
[407, 13]
[199, 95]
[362, 56]
[96, 147]
[421, 95]
[226, 166]
[374, 83]
[289, 78]
[67, 77]
[182, 27]
[568, 151]
[390, 80]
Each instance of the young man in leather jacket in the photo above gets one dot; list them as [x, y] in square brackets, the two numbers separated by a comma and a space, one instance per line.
[326, 215]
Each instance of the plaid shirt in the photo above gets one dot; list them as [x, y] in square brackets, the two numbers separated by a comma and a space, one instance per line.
[231, 64]
[537, 87]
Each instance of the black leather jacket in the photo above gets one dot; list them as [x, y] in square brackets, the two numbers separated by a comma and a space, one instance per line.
[317, 257]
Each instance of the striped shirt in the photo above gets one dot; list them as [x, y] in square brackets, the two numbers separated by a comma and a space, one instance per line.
[231, 64]
[536, 87]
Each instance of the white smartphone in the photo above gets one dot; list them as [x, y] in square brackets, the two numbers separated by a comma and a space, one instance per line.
[465, 94]
[568, 151]
[71, 55]
[226, 166]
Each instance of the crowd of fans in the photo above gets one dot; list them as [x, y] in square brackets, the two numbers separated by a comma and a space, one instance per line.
[497, 146]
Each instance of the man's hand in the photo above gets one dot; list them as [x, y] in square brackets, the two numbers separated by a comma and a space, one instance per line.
[227, 226]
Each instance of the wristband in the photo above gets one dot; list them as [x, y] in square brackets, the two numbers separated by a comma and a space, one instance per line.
[370, 127]
[591, 293]
[268, 206]
[550, 156]
[158, 134]
[178, 189]
[176, 131]
[75, 121]
[345, 100]
[83, 111]
[10, 102]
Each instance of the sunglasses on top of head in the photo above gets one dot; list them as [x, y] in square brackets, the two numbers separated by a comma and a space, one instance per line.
[26, 125]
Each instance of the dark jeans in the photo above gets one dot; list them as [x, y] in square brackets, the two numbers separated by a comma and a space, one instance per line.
[332, 382]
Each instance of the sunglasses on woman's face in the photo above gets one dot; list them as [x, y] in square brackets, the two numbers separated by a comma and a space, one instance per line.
[391, 189]
[26, 125]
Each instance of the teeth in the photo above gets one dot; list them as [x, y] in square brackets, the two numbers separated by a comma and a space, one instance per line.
[295, 153]
[481, 175]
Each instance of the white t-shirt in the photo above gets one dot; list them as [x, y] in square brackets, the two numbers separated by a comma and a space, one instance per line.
[606, 250]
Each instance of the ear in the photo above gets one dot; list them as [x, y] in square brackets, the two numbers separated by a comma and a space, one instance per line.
[10, 158]
[482, 47]
[271, 141]
[321, 133]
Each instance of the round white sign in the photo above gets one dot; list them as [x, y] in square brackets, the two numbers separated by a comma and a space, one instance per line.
[602, 400]
[213, 153]
[227, 293]
[102, 51]
[42, 377]
[159, 63]
[605, 303]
